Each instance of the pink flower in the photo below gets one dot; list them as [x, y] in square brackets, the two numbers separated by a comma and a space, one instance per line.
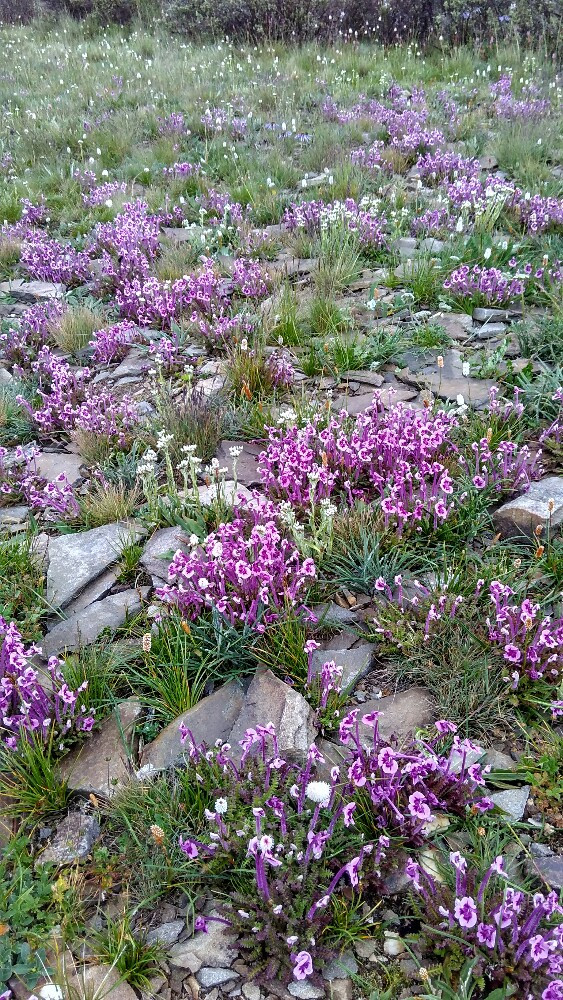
[465, 911]
[303, 966]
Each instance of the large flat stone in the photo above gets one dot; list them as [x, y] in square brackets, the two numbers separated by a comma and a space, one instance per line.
[355, 662]
[214, 949]
[401, 714]
[75, 560]
[31, 291]
[270, 700]
[210, 720]
[101, 764]
[99, 981]
[53, 464]
[73, 840]
[84, 627]
[512, 802]
[527, 512]
[475, 391]
[246, 463]
[156, 554]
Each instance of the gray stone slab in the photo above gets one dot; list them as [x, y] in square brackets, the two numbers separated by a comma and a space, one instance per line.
[77, 559]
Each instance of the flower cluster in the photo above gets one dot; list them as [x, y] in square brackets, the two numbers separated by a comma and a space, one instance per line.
[392, 455]
[246, 570]
[509, 107]
[532, 643]
[516, 937]
[103, 193]
[112, 342]
[30, 703]
[484, 285]
[53, 261]
[363, 218]
[21, 346]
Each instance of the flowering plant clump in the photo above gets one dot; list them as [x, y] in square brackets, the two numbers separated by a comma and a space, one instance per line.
[392, 455]
[516, 937]
[112, 342]
[532, 643]
[30, 703]
[53, 261]
[439, 166]
[363, 217]
[298, 836]
[21, 346]
[507, 106]
[484, 285]
[246, 570]
[554, 433]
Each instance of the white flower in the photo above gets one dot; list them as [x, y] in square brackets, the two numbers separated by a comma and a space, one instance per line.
[318, 791]
[465, 369]
[221, 806]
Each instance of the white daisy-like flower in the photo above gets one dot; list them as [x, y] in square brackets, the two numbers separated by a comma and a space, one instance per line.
[318, 791]
[221, 806]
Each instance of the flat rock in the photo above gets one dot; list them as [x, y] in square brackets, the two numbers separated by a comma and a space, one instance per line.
[229, 491]
[31, 291]
[246, 463]
[490, 330]
[490, 315]
[210, 720]
[77, 559]
[401, 714]
[305, 990]
[270, 700]
[13, 515]
[214, 949]
[432, 245]
[156, 556]
[524, 514]
[333, 614]
[56, 463]
[512, 801]
[475, 391]
[100, 981]
[100, 587]
[73, 840]
[356, 662]
[340, 967]
[549, 867]
[166, 934]
[456, 325]
[100, 765]
[84, 627]
[215, 977]
[135, 362]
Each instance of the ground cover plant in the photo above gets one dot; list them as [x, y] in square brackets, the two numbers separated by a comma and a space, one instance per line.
[281, 430]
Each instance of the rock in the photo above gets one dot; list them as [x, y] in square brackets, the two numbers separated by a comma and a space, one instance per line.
[6, 377]
[548, 867]
[333, 614]
[365, 947]
[100, 587]
[229, 491]
[210, 720]
[31, 291]
[524, 514]
[100, 765]
[406, 245]
[475, 392]
[135, 362]
[499, 761]
[356, 662]
[215, 977]
[156, 556]
[305, 990]
[84, 627]
[77, 559]
[251, 991]
[488, 162]
[13, 515]
[341, 967]
[56, 463]
[486, 315]
[246, 463]
[214, 948]
[365, 376]
[100, 981]
[270, 700]
[432, 245]
[456, 325]
[393, 944]
[401, 714]
[73, 840]
[489, 330]
[341, 989]
[166, 934]
[512, 802]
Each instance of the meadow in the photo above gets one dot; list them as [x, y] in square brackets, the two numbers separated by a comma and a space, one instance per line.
[281, 495]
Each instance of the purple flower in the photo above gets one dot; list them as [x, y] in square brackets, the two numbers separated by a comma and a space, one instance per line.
[465, 912]
[303, 965]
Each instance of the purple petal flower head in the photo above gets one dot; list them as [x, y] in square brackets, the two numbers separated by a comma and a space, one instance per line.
[303, 965]
[465, 912]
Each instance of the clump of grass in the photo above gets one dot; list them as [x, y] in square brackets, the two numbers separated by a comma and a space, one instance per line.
[30, 785]
[22, 586]
[73, 330]
[10, 250]
[193, 419]
[136, 961]
[95, 448]
[541, 340]
[103, 666]
[177, 259]
[15, 426]
[339, 257]
[107, 502]
[326, 319]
